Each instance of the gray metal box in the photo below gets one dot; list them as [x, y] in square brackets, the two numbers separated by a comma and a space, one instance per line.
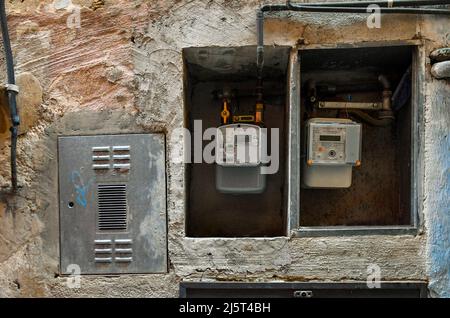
[112, 192]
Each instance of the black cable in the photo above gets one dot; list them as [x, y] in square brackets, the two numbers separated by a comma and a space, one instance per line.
[14, 135]
[15, 120]
[305, 8]
[358, 7]
[393, 4]
[275, 7]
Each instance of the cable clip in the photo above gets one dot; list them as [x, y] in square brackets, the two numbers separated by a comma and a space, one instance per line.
[12, 88]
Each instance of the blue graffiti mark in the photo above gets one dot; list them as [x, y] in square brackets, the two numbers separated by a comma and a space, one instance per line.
[81, 189]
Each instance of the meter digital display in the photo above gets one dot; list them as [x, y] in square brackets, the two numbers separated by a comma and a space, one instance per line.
[330, 138]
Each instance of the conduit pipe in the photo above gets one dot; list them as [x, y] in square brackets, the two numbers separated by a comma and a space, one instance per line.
[12, 90]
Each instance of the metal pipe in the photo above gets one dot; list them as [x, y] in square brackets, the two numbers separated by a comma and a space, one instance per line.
[387, 93]
[384, 81]
[378, 122]
[260, 46]
[306, 8]
[12, 92]
[390, 4]
[275, 7]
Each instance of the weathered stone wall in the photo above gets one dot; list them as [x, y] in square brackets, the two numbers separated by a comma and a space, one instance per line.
[122, 71]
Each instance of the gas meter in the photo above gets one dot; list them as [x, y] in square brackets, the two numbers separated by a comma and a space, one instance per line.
[333, 147]
[238, 159]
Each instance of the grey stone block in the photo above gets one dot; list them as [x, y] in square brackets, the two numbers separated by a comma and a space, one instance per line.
[440, 55]
[441, 70]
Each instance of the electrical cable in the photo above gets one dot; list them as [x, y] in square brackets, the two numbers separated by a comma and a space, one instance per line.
[391, 4]
[12, 93]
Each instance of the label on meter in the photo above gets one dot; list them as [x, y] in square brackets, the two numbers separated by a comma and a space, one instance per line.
[238, 145]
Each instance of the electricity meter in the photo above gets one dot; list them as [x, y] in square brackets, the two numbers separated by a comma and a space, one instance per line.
[238, 159]
[333, 148]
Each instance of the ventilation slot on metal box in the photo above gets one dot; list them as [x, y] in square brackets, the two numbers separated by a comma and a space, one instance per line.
[112, 207]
